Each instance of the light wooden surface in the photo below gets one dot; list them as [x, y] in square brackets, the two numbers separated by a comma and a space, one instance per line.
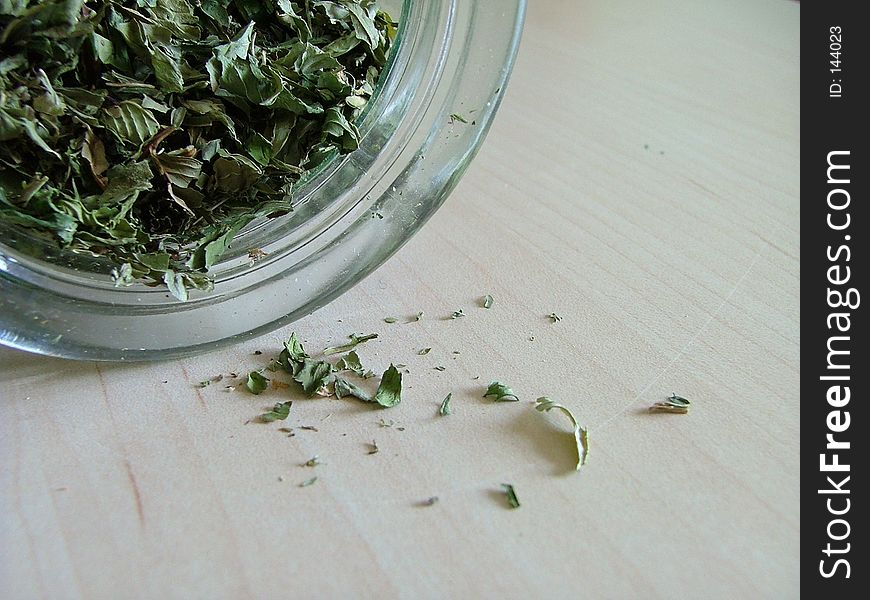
[642, 182]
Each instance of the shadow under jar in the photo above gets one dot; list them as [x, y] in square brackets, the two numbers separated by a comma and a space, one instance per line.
[450, 57]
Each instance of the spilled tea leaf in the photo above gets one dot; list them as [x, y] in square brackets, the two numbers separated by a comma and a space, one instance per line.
[446, 409]
[279, 412]
[354, 342]
[511, 495]
[672, 404]
[500, 392]
[390, 390]
[256, 382]
[581, 435]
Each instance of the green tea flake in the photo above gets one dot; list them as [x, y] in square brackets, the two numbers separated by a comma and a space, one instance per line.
[390, 319]
[672, 404]
[354, 342]
[278, 413]
[308, 482]
[313, 376]
[511, 495]
[292, 358]
[488, 301]
[424, 351]
[351, 362]
[581, 435]
[500, 392]
[446, 409]
[390, 390]
[554, 318]
[256, 383]
[344, 388]
[457, 314]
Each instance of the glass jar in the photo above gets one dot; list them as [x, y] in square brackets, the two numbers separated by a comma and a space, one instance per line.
[451, 57]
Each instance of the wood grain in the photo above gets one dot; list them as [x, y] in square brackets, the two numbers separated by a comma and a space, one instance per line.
[642, 182]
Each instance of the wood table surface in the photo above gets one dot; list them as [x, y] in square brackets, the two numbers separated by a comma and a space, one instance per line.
[640, 181]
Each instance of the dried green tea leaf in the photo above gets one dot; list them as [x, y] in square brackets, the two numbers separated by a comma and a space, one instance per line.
[312, 462]
[130, 122]
[390, 319]
[94, 152]
[554, 318]
[313, 375]
[511, 495]
[424, 351]
[355, 341]
[677, 400]
[457, 314]
[581, 435]
[308, 482]
[390, 390]
[488, 301]
[500, 392]
[292, 358]
[351, 362]
[457, 117]
[419, 316]
[373, 448]
[279, 412]
[673, 404]
[446, 409]
[256, 382]
[344, 388]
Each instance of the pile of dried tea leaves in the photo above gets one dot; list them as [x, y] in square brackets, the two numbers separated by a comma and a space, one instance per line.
[152, 131]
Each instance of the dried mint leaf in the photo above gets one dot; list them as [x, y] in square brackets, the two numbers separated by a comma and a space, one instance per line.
[313, 375]
[390, 390]
[500, 392]
[673, 404]
[581, 435]
[355, 341]
[293, 356]
[256, 382]
[343, 388]
[280, 412]
[511, 495]
[445, 408]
